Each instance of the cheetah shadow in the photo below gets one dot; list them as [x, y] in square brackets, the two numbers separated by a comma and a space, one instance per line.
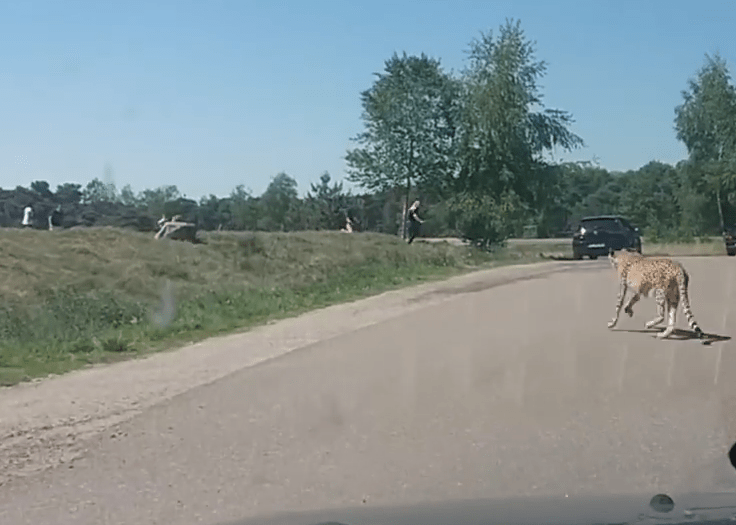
[683, 335]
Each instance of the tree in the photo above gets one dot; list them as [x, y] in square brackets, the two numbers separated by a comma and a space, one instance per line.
[69, 193]
[409, 115]
[649, 199]
[211, 212]
[244, 209]
[42, 188]
[155, 200]
[502, 139]
[98, 191]
[127, 196]
[706, 123]
[279, 203]
[328, 205]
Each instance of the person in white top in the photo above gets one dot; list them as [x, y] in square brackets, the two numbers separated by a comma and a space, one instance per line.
[28, 217]
[348, 226]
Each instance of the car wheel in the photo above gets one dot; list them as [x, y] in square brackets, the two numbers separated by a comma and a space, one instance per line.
[731, 252]
[593, 257]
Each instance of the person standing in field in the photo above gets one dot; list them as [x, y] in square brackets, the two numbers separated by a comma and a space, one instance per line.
[414, 221]
[27, 217]
[348, 226]
[55, 218]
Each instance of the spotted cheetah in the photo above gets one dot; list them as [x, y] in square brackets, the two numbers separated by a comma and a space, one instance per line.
[667, 278]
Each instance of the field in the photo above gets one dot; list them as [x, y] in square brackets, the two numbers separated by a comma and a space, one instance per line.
[72, 299]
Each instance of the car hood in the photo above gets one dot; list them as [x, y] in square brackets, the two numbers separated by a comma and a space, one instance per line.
[641, 509]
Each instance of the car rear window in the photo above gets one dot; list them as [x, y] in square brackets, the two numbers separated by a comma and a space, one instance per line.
[601, 224]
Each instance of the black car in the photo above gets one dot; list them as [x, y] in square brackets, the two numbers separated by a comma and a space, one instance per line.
[729, 237]
[598, 235]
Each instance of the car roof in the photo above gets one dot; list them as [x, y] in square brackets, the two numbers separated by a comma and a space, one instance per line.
[604, 217]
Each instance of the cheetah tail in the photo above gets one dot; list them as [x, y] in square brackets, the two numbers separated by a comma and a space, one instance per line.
[683, 282]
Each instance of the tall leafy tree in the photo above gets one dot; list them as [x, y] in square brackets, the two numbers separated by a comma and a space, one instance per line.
[706, 123]
[409, 116]
[505, 129]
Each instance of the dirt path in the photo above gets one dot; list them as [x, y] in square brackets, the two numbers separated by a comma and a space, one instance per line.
[47, 423]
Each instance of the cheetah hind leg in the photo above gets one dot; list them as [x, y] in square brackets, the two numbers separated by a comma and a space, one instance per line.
[671, 322]
[659, 297]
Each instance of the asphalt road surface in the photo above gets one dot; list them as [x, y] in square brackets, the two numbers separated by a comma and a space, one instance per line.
[507, 390]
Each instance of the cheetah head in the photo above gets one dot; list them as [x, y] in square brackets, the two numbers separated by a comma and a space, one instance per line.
[612, 258]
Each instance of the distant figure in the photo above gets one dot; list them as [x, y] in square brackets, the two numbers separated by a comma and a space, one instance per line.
[55, 217]
[28, 217]
[414, 221]
[348, 226]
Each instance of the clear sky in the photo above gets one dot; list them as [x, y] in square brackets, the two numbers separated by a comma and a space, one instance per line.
[211, 94]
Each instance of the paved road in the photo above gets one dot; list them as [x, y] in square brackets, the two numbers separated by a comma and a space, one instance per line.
[510, 390]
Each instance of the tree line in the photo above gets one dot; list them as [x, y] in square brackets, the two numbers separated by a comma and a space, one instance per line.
[472, 147]
[325, 207]
[477, 143]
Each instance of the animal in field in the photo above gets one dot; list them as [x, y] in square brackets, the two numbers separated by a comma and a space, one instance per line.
[176, 229]
[667, 279]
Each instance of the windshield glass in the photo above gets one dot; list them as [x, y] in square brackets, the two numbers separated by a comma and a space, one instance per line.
[601, 224]
[261, 256]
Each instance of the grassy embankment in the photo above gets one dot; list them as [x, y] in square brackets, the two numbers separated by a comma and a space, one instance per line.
[75, 298]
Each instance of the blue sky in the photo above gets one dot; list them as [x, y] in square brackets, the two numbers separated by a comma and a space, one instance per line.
[208, 95]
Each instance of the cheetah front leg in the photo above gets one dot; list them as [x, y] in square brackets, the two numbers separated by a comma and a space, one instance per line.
[671, 322]
[619, 303]
[661, 300]
[634, 299]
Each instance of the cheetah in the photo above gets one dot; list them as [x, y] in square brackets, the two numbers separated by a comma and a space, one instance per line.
[667, 278]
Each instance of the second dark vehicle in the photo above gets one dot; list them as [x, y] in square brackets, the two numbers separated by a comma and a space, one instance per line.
[597, 235]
